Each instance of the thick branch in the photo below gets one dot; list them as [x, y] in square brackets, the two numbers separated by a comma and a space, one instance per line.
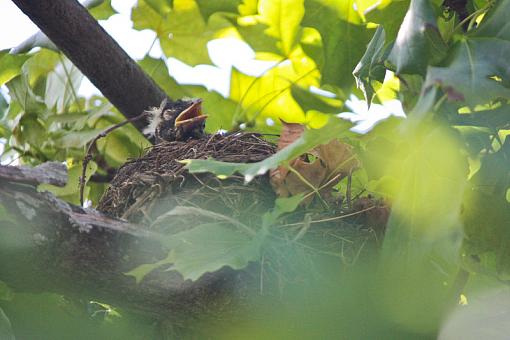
[49, 245]
[70, 26]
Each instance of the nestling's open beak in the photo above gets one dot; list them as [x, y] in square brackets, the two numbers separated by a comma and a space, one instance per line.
[191, 117]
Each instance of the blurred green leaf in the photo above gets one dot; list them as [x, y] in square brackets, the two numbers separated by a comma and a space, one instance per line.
[21, 92]
[62, 85]
[10, 65]
[6, 293]
[6, 331]
[33, 131]
[209, 247]
[206, 248]
[485, 216]
[3, 106]
[78, 139]
[70, 192]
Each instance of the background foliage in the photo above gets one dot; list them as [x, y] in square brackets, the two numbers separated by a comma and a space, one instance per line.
[445, 169]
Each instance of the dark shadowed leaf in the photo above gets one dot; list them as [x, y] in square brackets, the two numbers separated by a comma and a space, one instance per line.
[389, 15]
[418, 41]
[371, 66]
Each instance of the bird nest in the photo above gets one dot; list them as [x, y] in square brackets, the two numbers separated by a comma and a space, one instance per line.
[156, 182]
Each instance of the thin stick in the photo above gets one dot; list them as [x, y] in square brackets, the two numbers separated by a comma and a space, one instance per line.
[88, 155]
[330, 218]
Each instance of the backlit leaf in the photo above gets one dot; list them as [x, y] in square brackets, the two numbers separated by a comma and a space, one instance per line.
[343, 38]
[10, 65]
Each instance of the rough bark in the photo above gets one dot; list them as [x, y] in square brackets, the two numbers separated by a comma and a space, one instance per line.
[74, 31]
[49, 245]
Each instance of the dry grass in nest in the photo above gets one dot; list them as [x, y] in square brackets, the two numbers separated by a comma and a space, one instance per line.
[140, 181]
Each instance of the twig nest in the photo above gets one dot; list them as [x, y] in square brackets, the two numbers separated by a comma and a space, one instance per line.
[156, 182]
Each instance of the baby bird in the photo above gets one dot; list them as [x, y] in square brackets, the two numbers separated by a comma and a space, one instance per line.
[177, 122]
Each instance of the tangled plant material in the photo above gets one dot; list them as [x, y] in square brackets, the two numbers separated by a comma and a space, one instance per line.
[140, 181]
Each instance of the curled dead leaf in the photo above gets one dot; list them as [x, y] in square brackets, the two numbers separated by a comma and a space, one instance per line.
[319, 170]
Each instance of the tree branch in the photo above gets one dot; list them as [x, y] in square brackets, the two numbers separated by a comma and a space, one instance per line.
[74, 31]
[49, 245]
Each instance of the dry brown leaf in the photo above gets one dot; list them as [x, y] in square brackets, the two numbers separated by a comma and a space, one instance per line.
[312, 173]
[332, 162]
[290, 132]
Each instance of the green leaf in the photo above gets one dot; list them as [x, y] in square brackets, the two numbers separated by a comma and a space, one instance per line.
[62, 86]
[469, 73]
[495, 22]
[343, 38]
[182, 32]
[422, 240]
[78, 139]
[371, 66]
[6, 331]
[157, 70]
[486, 214]
[6, 293]
[3, 106]
[206, 248]
[10, 65]
[282, 206]
[388, 14]
[476, 71]
[40, 64]
[310, 139]
[160, 6]
[419, 41]
[22, 93]
[311, 101]
[102, 11]
[33, 131]
[494, 119]
[208, 8]
[70, 192]
[269, 96]
[210, 247]
[282, 18]
[144, 16]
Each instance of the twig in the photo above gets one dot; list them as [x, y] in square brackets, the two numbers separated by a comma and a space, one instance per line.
[88, 155]
[330, 218]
